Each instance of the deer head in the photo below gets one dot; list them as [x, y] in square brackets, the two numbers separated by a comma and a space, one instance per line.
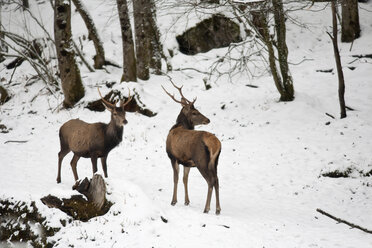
[117, 113]
[189, 115]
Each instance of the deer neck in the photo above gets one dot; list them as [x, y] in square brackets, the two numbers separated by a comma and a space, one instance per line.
[114, 134]
[183, 121]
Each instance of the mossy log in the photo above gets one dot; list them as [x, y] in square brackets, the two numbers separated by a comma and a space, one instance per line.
[77, 206]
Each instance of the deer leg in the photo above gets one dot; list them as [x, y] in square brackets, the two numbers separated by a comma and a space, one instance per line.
[176, 169]
[104, 165]
[94, 164]
[210, 182]
[216, 189]
[74, 161]
[61, 155]
[186, 171]
[209, 196]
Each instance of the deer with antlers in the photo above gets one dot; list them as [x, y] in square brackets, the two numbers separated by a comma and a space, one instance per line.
[94, 140]
[193, 148]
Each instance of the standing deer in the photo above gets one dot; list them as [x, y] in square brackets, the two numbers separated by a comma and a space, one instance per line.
[94, 140]
[193, 148]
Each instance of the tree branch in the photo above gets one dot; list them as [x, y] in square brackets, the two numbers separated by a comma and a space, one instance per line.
[344, 221]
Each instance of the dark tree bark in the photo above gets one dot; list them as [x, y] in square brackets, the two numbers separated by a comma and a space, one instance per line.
[340, 74]
[3, 47]
[156, 48]
[25, 4]
[129, 57]
[142, 42]
[72, 86]
[148, 46]
[350, 28]
[99, 58]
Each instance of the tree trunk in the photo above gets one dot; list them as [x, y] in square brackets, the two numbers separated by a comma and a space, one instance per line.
[72, 86]
[287, 83]
[350, 28]
[129, 57]
[3, 47]
[25, 4]
[341, 82]
[142, 42]
[156, 48]
[282, 78]
[99, 58]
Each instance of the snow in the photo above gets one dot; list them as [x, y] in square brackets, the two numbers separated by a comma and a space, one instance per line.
[273, 153]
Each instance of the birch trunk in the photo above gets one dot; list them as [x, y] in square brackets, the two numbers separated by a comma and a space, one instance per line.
[72, 86]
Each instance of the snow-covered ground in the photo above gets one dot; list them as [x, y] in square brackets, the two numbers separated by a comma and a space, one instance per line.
[273, 153]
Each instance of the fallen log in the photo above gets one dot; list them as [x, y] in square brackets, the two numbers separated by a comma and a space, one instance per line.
[79, 207]
[134, 105]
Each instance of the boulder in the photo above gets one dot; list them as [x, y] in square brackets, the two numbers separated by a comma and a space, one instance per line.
[215, 32]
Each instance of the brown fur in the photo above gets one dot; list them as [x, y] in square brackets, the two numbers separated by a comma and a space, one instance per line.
[193, 148]
[92, 141]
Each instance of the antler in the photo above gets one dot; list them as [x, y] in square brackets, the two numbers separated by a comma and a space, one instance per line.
[122, 103]
[109, 104]
[184, 100]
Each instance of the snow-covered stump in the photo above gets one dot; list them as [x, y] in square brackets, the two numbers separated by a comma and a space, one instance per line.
[80, 208]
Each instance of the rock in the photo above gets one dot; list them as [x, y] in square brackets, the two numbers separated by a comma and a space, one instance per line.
[215, 32]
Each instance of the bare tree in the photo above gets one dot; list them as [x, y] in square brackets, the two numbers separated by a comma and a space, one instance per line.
[72, 86]
[340, 74]
[129, 57]
[99, 58]
[285, 85]
[350, 28]
[276, 48]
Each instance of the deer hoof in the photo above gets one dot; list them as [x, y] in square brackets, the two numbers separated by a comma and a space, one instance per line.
[173, 203]
[187, 203]
[206, 211]
[218, 211]
[58, 180]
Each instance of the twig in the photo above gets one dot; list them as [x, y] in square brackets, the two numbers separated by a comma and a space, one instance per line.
[330, 116]
[15, 141]
[11, 77]
[193, 69]
[349, 108]
[343, 221]
[90, 68]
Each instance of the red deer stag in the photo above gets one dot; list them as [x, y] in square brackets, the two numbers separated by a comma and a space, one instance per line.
[94, 140]
[193, 148]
